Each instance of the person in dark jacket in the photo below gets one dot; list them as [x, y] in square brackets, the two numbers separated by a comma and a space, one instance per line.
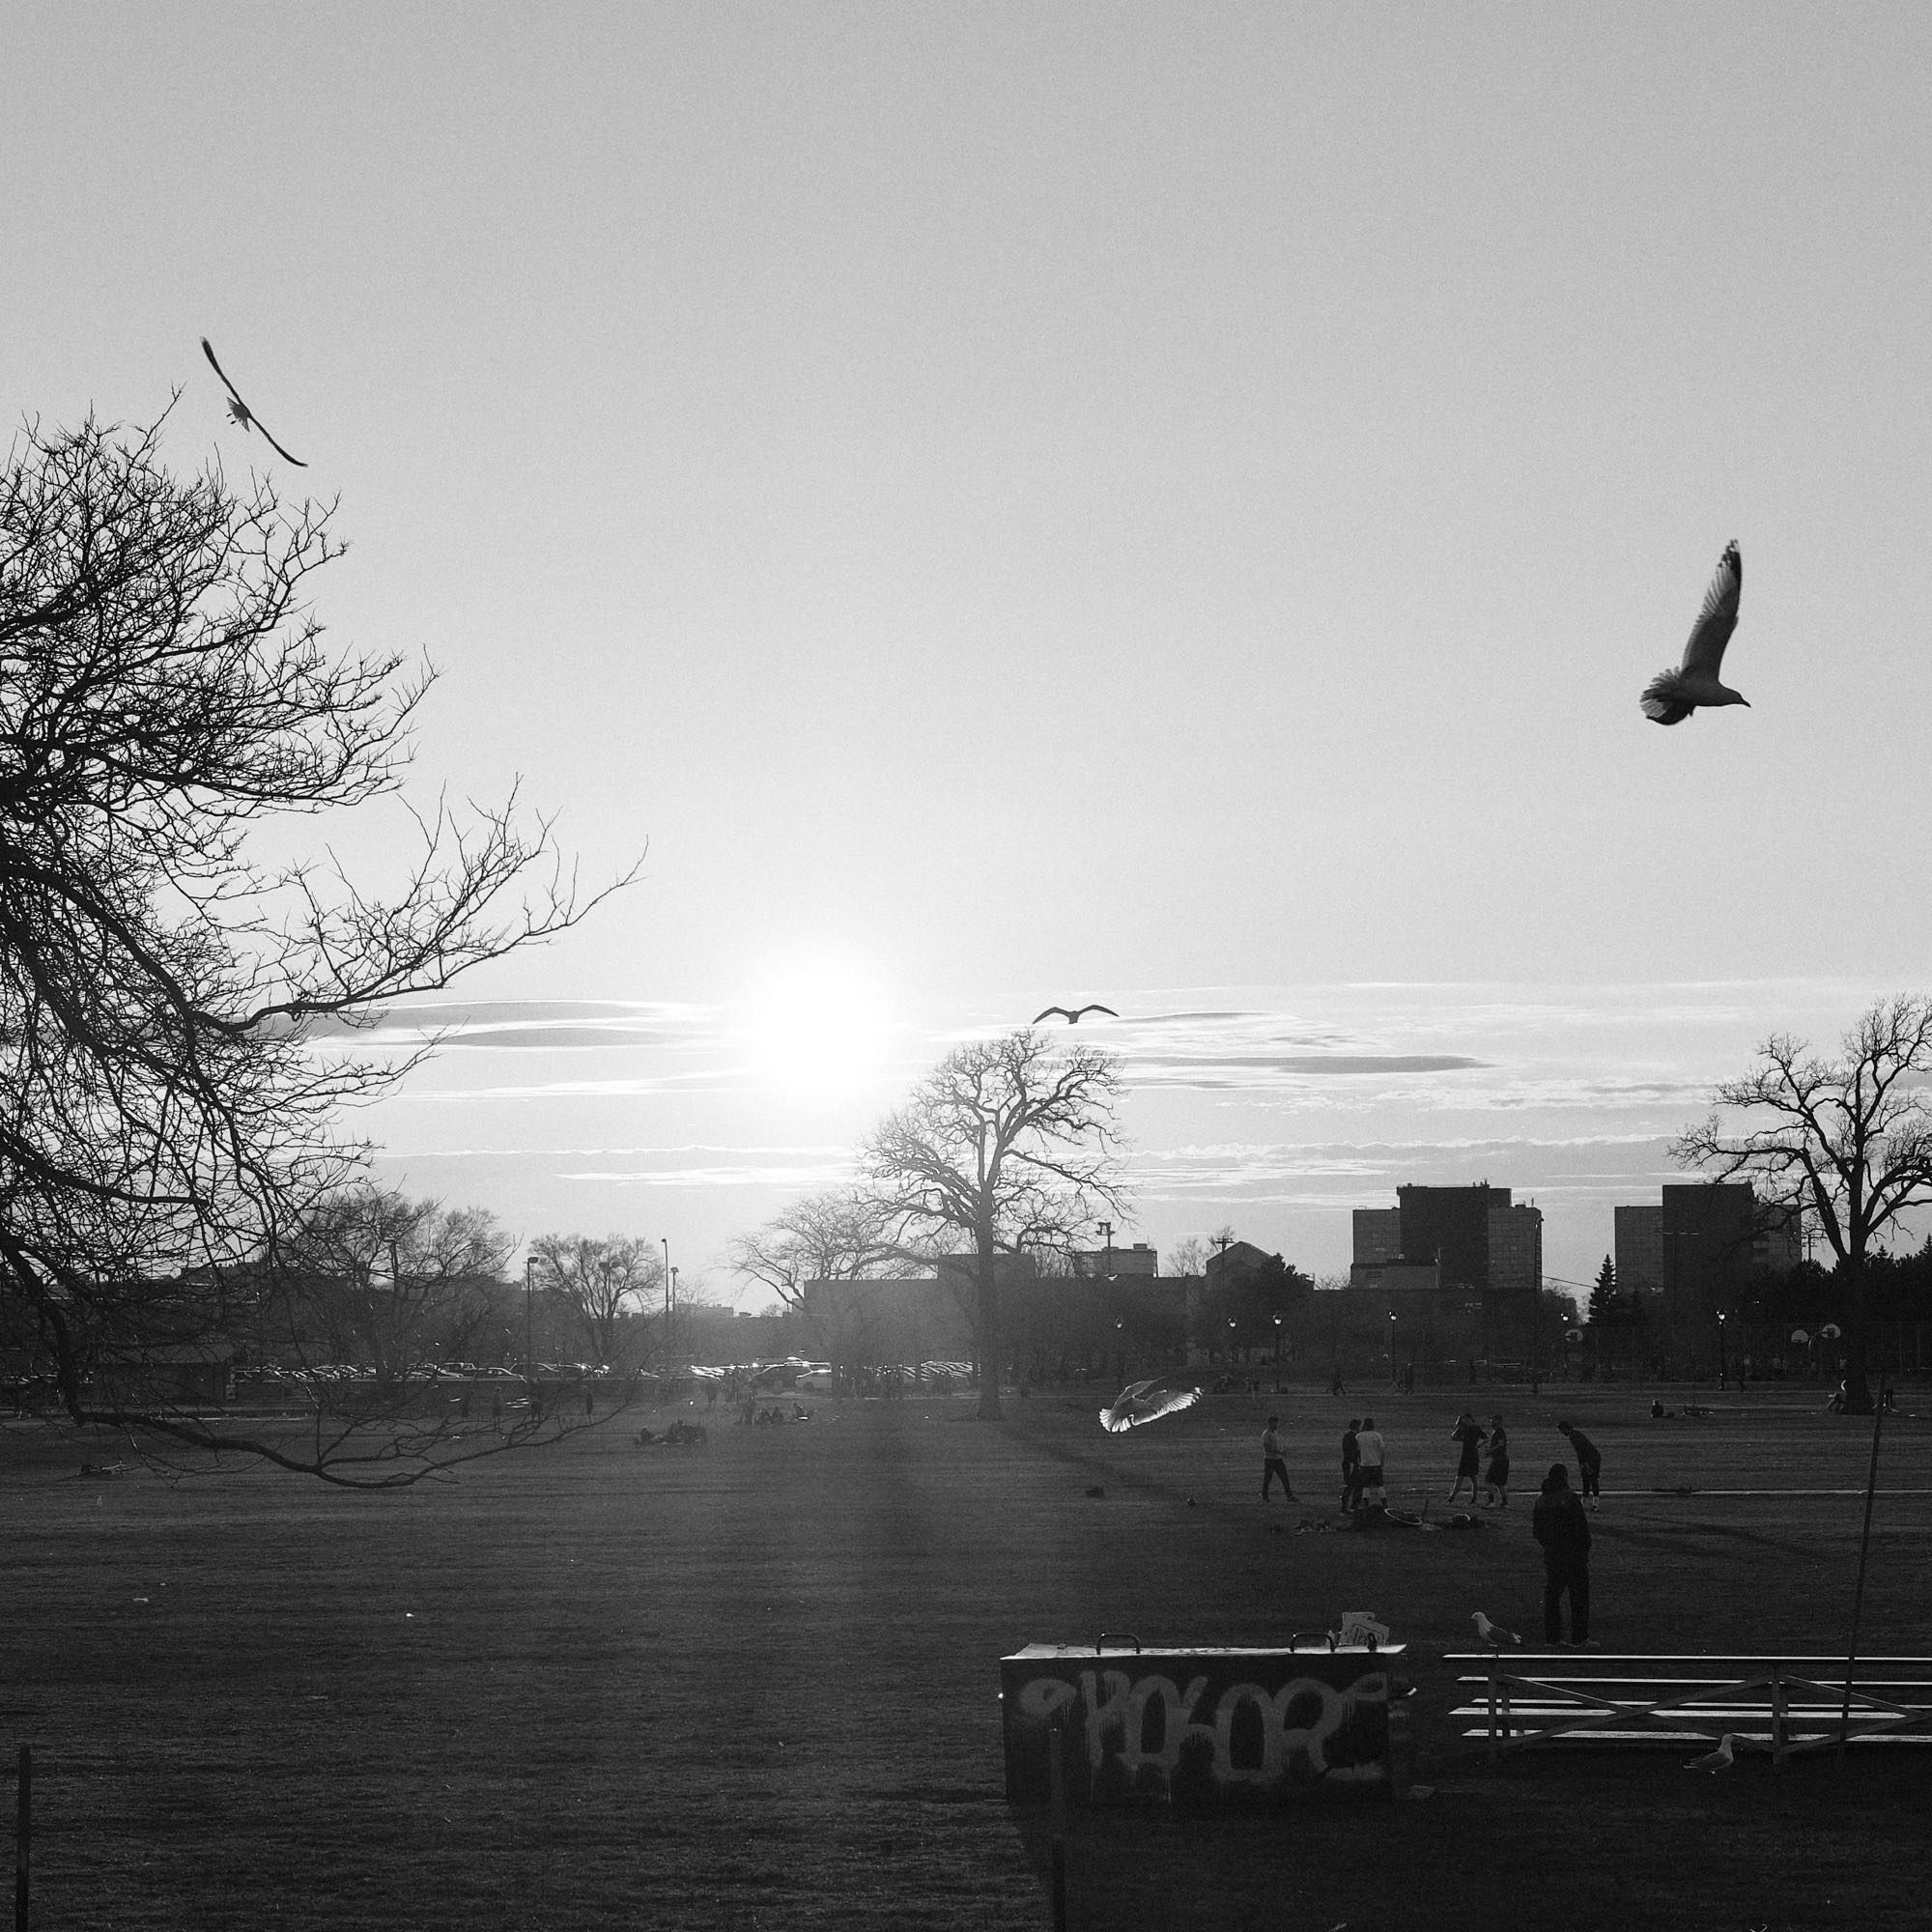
[1351, 1466]
[1561, 1527]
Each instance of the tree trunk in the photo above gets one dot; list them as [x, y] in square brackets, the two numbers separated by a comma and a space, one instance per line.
[989, 1331]
[1858, 1352]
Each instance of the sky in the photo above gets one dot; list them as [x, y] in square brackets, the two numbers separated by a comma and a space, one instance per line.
[1000, 505]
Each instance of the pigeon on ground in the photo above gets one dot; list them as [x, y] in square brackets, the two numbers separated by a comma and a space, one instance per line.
[1720, 1759]
[1071, 1017]
[1492, 1634]
[240, 412]
[1671, 695]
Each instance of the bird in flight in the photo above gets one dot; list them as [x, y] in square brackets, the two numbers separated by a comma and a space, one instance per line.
[1671, 695]
[1148, 1400]
[1072, 1017]
[1492, 1634]
[240, 412]
[1720, 1759]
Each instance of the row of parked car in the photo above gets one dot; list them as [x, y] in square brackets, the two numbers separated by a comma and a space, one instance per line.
[444, 1372]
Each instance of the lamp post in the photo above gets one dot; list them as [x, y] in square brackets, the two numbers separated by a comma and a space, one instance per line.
[1393, 1377]
[1230, 1341]
[1723, 1370]
[530, 1329]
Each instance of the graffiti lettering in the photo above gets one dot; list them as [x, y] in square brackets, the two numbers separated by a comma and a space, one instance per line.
[1138, 1729]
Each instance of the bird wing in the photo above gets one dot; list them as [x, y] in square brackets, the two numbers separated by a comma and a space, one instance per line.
[248, 415]
[1061, 1010]
[1094, 1006]
[1719, 617]
[208, 349]
[274, 444]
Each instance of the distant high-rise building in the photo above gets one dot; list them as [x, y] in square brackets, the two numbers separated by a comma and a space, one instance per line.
[1710, 1229]
[1640, 1250]
[1451, 1225]
[1516, 1250]
[1378, 1234]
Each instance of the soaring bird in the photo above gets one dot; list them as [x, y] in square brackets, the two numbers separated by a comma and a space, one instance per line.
[1071, 1017]
[1671, 695]
[1720, 1759]
[1492, 1634]
[1147, 1402]
[240, 412]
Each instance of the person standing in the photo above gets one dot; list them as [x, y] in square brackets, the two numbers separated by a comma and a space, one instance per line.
[1351, 1466]
[1589, 1461]
[1272, 1464]
[1468, 1433]
[1498, 1480]
[1370, 1474]
[1561, 1527]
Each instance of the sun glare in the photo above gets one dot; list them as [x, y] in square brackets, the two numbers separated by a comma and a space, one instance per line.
[816, 1028]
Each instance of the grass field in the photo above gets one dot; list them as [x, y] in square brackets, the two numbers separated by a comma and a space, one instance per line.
[752, 1685]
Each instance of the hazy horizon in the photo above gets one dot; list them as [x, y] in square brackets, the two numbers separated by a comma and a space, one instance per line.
[1003, 505]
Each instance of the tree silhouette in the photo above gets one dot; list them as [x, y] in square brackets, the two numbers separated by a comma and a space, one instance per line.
[1847, 1140]
[171, 1117]
[1007, 1145]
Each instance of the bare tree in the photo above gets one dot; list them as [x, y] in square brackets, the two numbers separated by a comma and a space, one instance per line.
[166, 696]
[1848, 1140]
[843, 1235]
[388, 1282]
[1188, 1256]
[604, 1283]
[1007, 1145]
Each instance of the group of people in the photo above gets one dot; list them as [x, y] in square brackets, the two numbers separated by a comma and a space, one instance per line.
[1558, 1523]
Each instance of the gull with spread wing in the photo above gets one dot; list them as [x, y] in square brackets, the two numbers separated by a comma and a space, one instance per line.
[240, 412]
[1671, 695]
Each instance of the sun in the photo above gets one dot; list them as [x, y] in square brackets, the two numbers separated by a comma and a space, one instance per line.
[816, 1026]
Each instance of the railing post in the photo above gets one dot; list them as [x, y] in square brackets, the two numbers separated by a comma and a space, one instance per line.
[1495, 1664]
[1777, 1738]
[22, 1837]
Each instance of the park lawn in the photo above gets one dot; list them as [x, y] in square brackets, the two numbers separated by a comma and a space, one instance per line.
[754, 1684]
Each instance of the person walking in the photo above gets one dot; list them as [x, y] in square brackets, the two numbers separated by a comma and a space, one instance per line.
[1589, 1463]
[1351, 1467]
[1272, 1464]
[1370, 1474]
[1559, 1524]
[1468, 1433]
[1497, 1479]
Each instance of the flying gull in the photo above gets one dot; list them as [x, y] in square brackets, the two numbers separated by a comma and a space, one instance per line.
[1671, 695]
[1147, 1402]
[1072, 1017]
[240, 412]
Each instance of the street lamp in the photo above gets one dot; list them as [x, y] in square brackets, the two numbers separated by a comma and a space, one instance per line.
[1392, 1377]
[530, 1329]
[1723, 1371]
